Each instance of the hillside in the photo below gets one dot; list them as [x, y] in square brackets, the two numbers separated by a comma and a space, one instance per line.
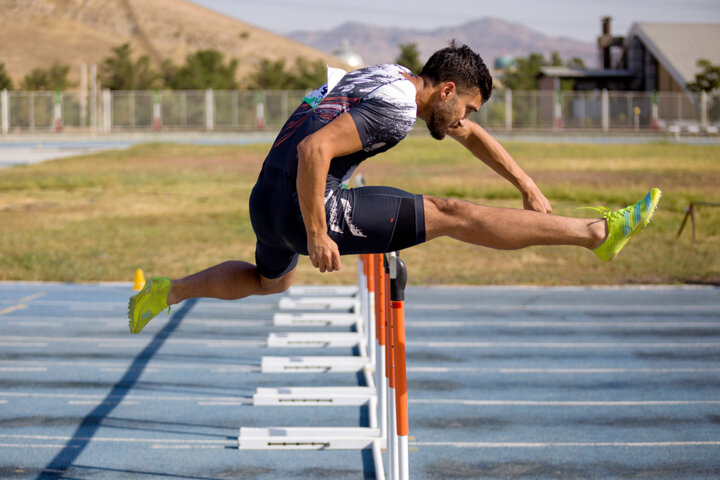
[34, 33]
[490, 37]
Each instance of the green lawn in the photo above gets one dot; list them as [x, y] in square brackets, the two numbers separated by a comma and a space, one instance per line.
[174, 209]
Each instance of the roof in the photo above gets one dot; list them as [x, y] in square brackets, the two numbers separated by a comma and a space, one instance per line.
[678, 46]
[565, 72]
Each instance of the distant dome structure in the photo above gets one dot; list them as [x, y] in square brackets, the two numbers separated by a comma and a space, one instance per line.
[505, 62]
[348, 55]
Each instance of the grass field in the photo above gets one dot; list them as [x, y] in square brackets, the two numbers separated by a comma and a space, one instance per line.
[174, 209]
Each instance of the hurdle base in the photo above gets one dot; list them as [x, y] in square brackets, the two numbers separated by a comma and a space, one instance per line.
[313, 364]
[316, 319]
[314, 396]
[316, 340]
[323, 291]
[303, 438]
[320, 303]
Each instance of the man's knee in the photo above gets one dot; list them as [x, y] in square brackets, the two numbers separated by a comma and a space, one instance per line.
[442, 215]
[268, 286]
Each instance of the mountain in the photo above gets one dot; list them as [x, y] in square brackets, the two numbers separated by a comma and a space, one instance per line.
[490, 37]
[35, 33]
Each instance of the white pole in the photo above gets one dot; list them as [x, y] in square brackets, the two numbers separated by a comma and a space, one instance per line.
[508, 109]
[404, 459]
[704, 109]
[5, 110]
[209, 110]
[83, 94]
[605, 111]
[107, 110]
[392, 448]
[93, 97]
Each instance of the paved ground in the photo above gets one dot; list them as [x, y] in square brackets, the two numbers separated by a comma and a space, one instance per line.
[504, 383]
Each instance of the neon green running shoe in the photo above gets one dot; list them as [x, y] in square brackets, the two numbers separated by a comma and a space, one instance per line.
[623, 224]
[150, 301]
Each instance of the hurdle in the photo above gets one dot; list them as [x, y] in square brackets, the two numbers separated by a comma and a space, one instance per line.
[376, 311]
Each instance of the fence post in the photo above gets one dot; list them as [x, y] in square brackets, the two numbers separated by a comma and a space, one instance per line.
[260, 111]
[156, 111]
[558, 110]
[5, 109]
[58, 111]
[703, 109]
[107, 110]
[508, 109]
[605, 110]
[654, 111]
[209, 110]
[93, 97]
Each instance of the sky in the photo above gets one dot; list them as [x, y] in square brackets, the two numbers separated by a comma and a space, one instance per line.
[577, 19]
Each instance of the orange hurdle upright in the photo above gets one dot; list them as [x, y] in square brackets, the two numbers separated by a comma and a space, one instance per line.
[398, 281]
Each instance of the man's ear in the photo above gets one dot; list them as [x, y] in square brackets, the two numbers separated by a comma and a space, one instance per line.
[447, 90]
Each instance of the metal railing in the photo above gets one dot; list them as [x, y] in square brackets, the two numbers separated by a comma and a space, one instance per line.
[220, 110]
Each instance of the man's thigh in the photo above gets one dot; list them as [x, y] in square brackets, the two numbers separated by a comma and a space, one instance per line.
[375, 219]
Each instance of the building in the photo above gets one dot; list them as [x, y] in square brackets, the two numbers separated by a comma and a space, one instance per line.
[658, 57]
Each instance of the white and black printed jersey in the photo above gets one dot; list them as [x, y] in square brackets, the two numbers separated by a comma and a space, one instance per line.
[381, 102]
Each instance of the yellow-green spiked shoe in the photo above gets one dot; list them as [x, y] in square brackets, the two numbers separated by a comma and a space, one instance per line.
[623, 224]
[150, 301]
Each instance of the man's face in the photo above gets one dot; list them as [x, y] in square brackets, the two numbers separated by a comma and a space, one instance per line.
[450, 109]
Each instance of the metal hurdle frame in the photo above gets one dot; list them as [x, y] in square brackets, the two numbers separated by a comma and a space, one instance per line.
[377, 311]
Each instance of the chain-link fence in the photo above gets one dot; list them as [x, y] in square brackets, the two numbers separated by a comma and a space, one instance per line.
[209, 110]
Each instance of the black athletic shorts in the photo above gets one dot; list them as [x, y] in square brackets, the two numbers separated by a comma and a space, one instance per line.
[360, 220]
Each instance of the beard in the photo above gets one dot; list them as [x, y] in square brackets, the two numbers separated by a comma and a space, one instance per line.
[440, 120]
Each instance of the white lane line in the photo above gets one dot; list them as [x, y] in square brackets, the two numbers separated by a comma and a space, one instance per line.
[158, 366]
[580, 307]
[610, 325]
[23, 369]
[35, 324]
[3, 402]
[566, 345]
[564, 444]
[95, 402]
[36, 445]
[114, 342]
[564, 370]
[24, 344]
[66, 438]
[118, 398]
[561, 403]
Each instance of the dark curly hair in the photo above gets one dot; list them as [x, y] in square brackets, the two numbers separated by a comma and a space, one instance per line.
[459, 65]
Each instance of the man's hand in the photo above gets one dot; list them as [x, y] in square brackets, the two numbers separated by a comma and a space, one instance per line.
[533, 199]
[324, 253]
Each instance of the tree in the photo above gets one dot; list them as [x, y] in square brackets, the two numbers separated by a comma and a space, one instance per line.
[203, 69]
[409, 57]
[120, 72]
[272, 75]
[309, 75]
[5, 80]
[54, 78]
[525, 75]
[708, 79]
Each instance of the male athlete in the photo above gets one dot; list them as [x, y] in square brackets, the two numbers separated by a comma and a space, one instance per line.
[300, 207]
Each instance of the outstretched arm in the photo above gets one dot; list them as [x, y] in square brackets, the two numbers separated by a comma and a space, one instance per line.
[339, 137]
[481, 144]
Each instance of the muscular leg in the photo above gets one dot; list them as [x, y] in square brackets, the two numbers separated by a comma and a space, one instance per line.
[228, 281]
[507, 228]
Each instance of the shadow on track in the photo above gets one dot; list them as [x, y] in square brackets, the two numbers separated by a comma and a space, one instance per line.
[90, 424]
